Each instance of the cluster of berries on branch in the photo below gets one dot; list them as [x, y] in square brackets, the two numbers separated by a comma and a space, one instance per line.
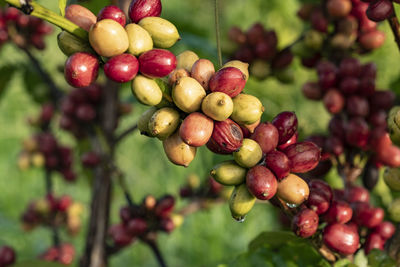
[259, 48]
[23, 30]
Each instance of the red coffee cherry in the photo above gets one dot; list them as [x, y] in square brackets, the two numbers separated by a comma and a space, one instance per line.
[286, 124]
[374, 241]
[119, 235]
[139, 9]
[227, 137]
[278, 163]
[385, 230]
[305, 223]
[267, 136]
[157, 63]
[81, 69]
[339, 212]
[341, 238]
[229, 80]
[137, 226]
[380, 10]
[303, 156]
[333, 101]
[164, 206]
[114, 13]
[261, 182]
[122, 68]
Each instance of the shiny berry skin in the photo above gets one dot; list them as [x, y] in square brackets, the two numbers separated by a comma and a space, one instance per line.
[305, 223]
[81, 69]
[157, 63]
[317, 202]
[286, 124]
[380, 10]
[385, 230]
[341, 238]
[114, 13]
[267, 136]
[7, 256]
[229, 80]
[261, 182]
[278, 163]
[139, 9]
[357, 194]
[374, 241]
[339, 212]
[227, 137]
[122, 68]
[303, 156]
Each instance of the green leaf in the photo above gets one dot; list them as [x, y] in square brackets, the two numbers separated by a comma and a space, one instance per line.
[360, 259]
[37, 263]
[5, 77]
[274, 239]
[342, 263]
[61, 5]
[378, 258]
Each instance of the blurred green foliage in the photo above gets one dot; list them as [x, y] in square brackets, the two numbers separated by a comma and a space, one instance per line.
[206, 238]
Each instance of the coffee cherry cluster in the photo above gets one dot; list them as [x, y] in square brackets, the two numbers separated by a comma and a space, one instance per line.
[337, 26]
[52, 211]
[264, 163]
[7, 256]
[64, 254]
[141, 221]
[259, 48]
[210, 189]
[80, 108]
[43, 149]
[350, 219]
[360, 111]
[146, 37]
[25, 31]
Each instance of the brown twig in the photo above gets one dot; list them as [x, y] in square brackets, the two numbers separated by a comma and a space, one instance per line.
[395, 26]
[125, 133]
[152, 243]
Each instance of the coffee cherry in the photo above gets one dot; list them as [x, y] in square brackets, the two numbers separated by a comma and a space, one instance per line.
[164, 206]
[370, 176]
[339, 212]
[365, 215]
[311, 90]
[139, 9]
[241, 202]
[125, 214]
[338, 8]
[163, 123]
[378, 118]
[350, 67]
[236, 35]
[176, 75]
[249, 154]
[177, 151]
[303, 156]
[218, 106]
[186, 59]
[136, 227]
[318, 21]
[121, 68]
[70, 44]
[202, 70]
[374, 241]
[112, 12]
[228, 173]
[81, 16]
[291, 141]
[333, 101]
[163, 32]
[157, 63]
[196, 129]
[286, 124]
[242, 66]
[336, 127]
[139, 39]
[341, 238]
[357, 132]
[188, 94]
[372, 40]
[247, 109]
[143, 122]
[357, 106]
[318, 202]
[380, 10]
[385, 230]
[226, 138]
[108, 38]
[85, 112]
[293, 190]
[120, 235]
[146, 90]
[334, 145]
[278, 163]
[90, 159]
[167, 225]
[229, 80]
[267, 136]
[382, 100]
[305, 223]
[357, 194]
[66, 254]
[81, 69]
[7, 256]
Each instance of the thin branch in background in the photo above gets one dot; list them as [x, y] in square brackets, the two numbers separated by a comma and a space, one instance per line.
[217, 32]
[56, 93]
[157, 253]
[125, 133]
[395, 26]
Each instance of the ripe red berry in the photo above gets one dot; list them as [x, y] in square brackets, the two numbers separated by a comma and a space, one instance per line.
[261, 182]
[305, 223]
[157, 63]
[122, 68]
[341, 238]
[114, 13]
[286, 124]
[81, 69]
[139, 9]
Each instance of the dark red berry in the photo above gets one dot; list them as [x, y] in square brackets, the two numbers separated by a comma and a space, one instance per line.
[114, 13]
[81, 69]
[278, 163]
[139, 9]
[286, 124]
[267, 136]
[341, 238]
[157, 63]
[261, 182]
[122, 68]
[305, 223]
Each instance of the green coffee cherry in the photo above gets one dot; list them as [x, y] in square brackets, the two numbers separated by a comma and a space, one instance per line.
[186, 59]
[249, 154]
[164, 122]
[69, 44]
[139, 39]
[229, 173]
[146, 90]
[392, 178]
[241, 202]
[143, 122]
[163, 32]
[247, 109]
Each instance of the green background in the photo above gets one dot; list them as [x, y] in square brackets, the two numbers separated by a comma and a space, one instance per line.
[206, 238]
